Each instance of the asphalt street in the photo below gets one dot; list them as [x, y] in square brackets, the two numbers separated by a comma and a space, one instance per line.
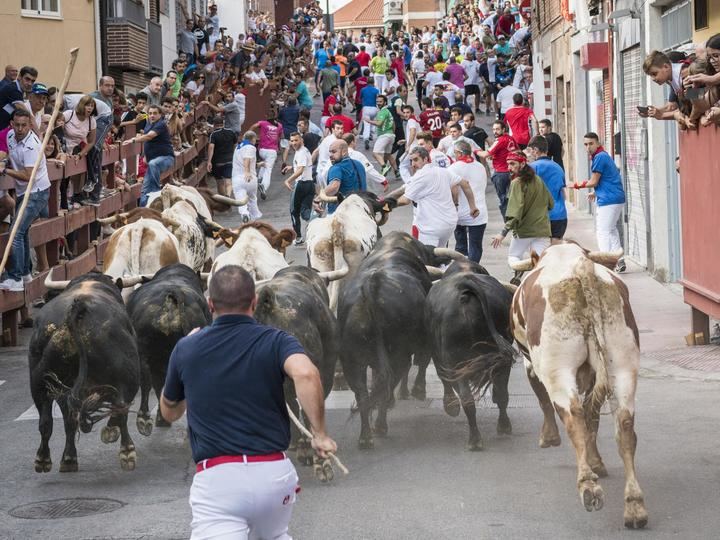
[418, 483]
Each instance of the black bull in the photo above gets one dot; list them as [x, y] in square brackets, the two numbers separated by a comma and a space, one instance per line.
[467, 316]
[296, 301]
[380, 315]
[163, 310]
[83, 355]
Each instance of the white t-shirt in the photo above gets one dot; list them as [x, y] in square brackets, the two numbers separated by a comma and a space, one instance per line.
[439, 159]
[76, 130]
[505, 97]
[430, 188]
[449, 92]
[418, 67]
[492, 66]
[324, 150]
[446, 144]
[303, 158]
[411, 124]
[23, 155]
[432, 78]
[476, 176]
[370, 172]
[241, 153]
[471, 70]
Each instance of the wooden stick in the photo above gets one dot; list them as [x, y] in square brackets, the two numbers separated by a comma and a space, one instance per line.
[41, 155]
[309, 435]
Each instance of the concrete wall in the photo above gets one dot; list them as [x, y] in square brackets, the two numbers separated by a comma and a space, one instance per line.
[169, 37]
[49, 41]
[233, 15]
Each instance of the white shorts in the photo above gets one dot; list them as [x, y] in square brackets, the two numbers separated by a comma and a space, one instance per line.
[383, 144]
[435, 238]
[243, 501]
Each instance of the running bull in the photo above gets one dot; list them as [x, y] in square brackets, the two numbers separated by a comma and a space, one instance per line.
[83, 355]
[572, 318]
[380, 316]
[296, 300]
[162, 311]
[467, 316]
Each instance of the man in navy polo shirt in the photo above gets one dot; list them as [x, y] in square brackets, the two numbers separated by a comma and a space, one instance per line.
[609, 193]
[554, 177]
[230, 377]
[13, 94]
[346, 174]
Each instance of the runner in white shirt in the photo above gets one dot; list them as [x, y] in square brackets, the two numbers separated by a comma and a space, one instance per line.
[322, 152]
[412, 129]
[301, 184]
[470, 229]
[371, 172]
[454, 135]
[505, 97]
[435, 216]
[436, 156]
[244, 176]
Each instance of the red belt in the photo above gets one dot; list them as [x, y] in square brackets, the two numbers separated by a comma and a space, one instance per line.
[212, 462]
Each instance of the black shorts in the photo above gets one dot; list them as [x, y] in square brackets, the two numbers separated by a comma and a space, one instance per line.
[472, 89]
[223, 170]
[342, 82]
[558, 228]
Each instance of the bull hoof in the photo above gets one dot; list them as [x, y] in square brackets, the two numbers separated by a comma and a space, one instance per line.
[144, 425]
[403, 393]
[635, 514]
[547, 442]
[160, 421]
[418, 392]
[592, 495]
[451, 405]
[599, 469]
[69, 464]
[475, 445]
[323, 470]
[366, 443]
[380, 429]
[43, 464]
[340, 383]
[504, 427]
[128, 458]
[109, 434]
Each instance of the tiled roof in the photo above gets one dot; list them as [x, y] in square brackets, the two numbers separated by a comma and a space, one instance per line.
[360, 13]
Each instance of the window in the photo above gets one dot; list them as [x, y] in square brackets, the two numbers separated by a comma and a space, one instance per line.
[701, 14]
[41, 8]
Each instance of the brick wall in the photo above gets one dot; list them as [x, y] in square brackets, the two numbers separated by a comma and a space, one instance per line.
[127, 47]
[129, 81]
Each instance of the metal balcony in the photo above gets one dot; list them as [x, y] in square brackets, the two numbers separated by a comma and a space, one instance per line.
[131, 11]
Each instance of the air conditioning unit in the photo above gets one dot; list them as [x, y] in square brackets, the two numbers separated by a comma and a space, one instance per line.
[392, 10]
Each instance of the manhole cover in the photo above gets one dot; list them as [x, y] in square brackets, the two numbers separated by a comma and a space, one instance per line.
[700, 358]
[65, 508]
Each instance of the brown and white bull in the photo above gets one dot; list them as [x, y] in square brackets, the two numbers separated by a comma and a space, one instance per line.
[344, 238]
[571, 317]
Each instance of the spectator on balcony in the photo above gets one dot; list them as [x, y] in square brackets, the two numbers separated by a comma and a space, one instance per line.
[231, 109]
[505, 25]
[12, 95]
[158, 151]
[153, 91]
[256, 77]
[196, 85]
[24, 147]
[187, 43]
[135, 116]
[11, 74]
[168, 84]
[37, 99]
[215, 73]
[80, 133]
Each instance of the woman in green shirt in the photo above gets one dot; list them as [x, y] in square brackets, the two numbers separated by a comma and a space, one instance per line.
[527, 211]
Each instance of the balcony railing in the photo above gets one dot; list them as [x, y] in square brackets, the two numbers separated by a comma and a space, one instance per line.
[155, 46]
[127, 10]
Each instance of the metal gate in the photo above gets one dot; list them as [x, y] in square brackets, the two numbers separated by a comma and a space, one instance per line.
[637, 245]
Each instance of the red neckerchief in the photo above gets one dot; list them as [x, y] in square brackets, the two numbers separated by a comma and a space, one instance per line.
[599, 149]
[466, 159]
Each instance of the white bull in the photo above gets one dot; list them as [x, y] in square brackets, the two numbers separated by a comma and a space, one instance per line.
[573, 322]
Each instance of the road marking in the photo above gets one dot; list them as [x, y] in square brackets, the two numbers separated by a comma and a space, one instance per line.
[2, 382]
[32, 413]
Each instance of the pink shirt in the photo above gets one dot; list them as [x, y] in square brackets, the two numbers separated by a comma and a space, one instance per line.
[269, 135]
[457, 74]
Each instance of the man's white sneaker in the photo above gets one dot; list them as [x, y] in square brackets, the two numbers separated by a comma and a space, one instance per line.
[299, 241]
[27, 278]
[12, 285]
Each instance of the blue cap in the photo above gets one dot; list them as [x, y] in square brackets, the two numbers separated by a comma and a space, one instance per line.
[39, 88]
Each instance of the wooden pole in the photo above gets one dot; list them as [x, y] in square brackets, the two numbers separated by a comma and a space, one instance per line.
[41, 155]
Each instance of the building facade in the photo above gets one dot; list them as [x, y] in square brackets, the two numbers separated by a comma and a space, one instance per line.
[41, 34]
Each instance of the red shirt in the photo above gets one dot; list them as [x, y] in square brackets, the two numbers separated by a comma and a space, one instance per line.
[329, 102]
[399, 66]
[505, 25]
[360, 83]
[431, 120]
[363, 58]
[499, 152]
[348, 124]
[518, 118]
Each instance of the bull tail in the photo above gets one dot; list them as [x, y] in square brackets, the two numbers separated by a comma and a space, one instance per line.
[135, 247]
[382, 384]
[76, 313]
[338, 241]
[175, 309]
[480, 370]
[585, 271]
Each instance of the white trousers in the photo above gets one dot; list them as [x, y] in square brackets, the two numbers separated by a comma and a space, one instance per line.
[521, 248]
[269, 157]
[380, 81]
[243, 501]
[321, 172]
[405, 167]
[606, 229]
[241, 188]
[435, 238]
[368, 129]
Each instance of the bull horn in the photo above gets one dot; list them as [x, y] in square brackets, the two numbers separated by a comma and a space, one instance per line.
[333, 275]
[509, 286]
[212, 223]
[55, 285]
[131, 281]
[399, 192]
[170, 222]
[327, 198]
[446, 252]
[522, 266]
[228, 200]
[262, 282]
[108, 220]
[605, 258]
[434, 271]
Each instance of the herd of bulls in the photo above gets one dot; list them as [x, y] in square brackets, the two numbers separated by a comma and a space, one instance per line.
[367, 300]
